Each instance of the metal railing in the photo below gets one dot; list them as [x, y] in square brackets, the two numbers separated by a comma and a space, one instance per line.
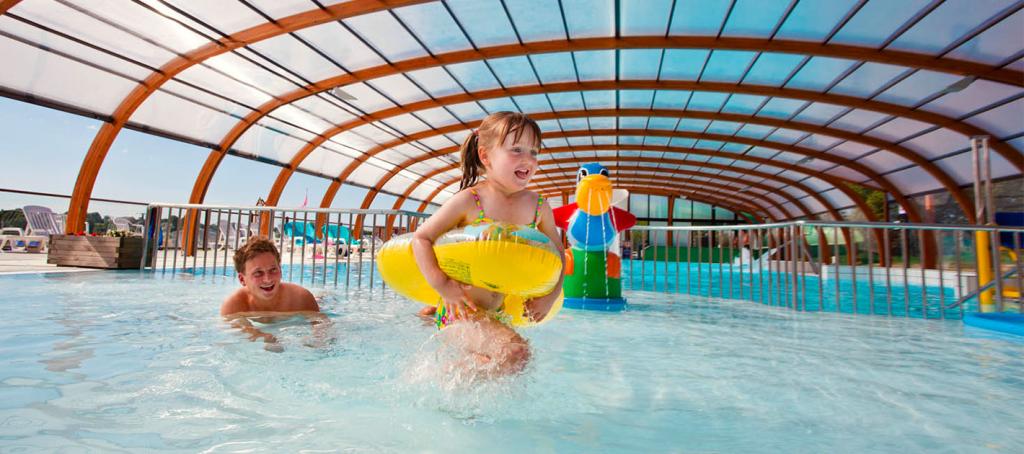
[912, 270]
[317, 246]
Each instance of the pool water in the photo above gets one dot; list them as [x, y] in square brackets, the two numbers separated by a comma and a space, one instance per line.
[898, 295]
[124, 361]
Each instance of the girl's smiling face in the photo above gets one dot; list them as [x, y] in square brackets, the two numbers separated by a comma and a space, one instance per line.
[512, 163]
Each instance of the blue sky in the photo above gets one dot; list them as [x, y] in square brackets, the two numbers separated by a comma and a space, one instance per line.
[43, 149]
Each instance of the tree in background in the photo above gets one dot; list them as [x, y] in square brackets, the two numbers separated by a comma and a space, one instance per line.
[874, 198]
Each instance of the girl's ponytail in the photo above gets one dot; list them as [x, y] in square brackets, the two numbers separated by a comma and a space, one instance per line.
[469, 155]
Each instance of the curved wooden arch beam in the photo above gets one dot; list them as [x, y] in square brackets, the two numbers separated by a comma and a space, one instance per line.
[6, 5]
[108, 132]
[966, 129]
[636, 159]
[622, 174]
[911, 209]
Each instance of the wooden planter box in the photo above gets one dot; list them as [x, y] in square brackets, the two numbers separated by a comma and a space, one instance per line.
[96, 251]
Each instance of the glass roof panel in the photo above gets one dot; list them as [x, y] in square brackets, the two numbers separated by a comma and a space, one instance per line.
[1002, 121]
[437, 117]
[603, 122]
[467, 111]
[979, 94]
[772, 69]
[145, 22]
[867, 79]
[707, 101]
[341, 45]
[398, 88]
[683, 64]
[579, 141]
[692, 124]
[631, 140]
[589, 18]
[813, 20]
[819, 73]
[474, 75]
[733, 147]
[595, 65]
[947, 23]
[781, 107]
[328, 110]
[754, 18]
[366, 98]
[851, 150]
[498, 105]
[633, 122]
[231, 64]
[548, 126]
[537, 20]
[724, 127]
[819, 142]
[406, 124]
[533, 103]
[93, 31]
[877, 20]
[438, 142]
[938, 143]
[513, 71]
[605, 140]
[786, 136]
[682, 142]
[898, 129]
[50, 76]
[485, 21]
[639, 64]
[386, 35]
[213, 101]
[37, 35]
[227, 17]
[554, 67]
[699, 17]
[819, 113]
[659, 141]
[743, 104]
[269, 143]
[755, 131]
[566, 100]
[291, 114]
[645, 17]
[727, 65]
[920, 85]
[671, 99]
[913, 180]
[859, 120]
[556, 142]
[996, 44]
[166, 112]
[296, 56]
[284, 8]
[325, 162]
[636, 99]
[573, 124]
[436, 81]
[663, 123]
[432, 24]
[602, 99]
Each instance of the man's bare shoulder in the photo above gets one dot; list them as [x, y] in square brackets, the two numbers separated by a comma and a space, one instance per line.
[236, 302]
[298, 298]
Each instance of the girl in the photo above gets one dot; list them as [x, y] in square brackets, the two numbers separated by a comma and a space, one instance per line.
[503, 150]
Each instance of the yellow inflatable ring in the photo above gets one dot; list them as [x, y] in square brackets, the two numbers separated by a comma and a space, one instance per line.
[514, 260]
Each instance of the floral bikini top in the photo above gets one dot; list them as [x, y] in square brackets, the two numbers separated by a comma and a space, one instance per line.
[481, 218]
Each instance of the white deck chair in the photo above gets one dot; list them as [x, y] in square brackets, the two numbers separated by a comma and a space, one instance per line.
[41, 222]
[231, 235]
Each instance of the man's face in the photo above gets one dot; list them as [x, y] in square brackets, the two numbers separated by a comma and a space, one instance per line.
[262, 276]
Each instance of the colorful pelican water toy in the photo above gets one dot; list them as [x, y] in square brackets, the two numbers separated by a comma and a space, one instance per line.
[593, 272]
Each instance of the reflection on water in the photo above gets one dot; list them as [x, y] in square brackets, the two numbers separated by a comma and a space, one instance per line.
[115, 361]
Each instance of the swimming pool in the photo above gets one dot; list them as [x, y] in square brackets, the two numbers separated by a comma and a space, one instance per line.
[120, 360]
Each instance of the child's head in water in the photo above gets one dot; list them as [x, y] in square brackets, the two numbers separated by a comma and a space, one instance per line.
[504, 147]
[259, 267]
